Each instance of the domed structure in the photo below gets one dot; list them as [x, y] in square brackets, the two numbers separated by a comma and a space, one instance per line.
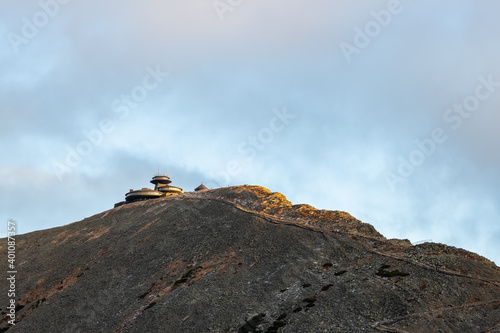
[201, 188]
[162, 189]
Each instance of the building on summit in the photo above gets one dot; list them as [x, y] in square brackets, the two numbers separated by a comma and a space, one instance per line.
[201, 188]
[162, 189]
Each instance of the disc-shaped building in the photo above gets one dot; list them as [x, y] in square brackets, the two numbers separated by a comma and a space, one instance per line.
[162, 189]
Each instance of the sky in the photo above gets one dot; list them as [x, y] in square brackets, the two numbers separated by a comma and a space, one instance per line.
[388, 110]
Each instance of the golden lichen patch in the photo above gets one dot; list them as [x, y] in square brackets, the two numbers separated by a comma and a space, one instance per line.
[59, 236]
[64, 284]
[276, 206]
[145, 227]
[102, 252]
[257, 190]
[110, 211]
[76, 233]
[164, 282]
[34, 293]
[192, 274]
[304, 207]
[179, 273]
[41, 294]
[139, 243]
[98, 233]
[149, 297]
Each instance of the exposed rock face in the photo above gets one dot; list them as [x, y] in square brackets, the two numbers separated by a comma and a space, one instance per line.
[243, 259]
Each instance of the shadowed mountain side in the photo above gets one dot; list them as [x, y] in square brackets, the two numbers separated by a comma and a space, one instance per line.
[243, 259]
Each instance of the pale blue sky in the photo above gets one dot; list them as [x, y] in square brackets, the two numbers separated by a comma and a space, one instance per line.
[262, 91]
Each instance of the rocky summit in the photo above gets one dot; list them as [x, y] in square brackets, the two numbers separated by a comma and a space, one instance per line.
[242, 259]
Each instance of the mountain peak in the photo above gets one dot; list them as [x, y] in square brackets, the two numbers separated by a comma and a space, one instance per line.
[243, 259]
[276, 206]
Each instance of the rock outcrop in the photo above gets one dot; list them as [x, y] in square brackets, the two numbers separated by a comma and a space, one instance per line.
[243, 259]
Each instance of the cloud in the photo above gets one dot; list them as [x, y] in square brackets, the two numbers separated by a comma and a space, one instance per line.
[353, 120]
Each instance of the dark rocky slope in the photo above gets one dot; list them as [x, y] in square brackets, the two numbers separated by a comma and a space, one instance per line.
[243, 259]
